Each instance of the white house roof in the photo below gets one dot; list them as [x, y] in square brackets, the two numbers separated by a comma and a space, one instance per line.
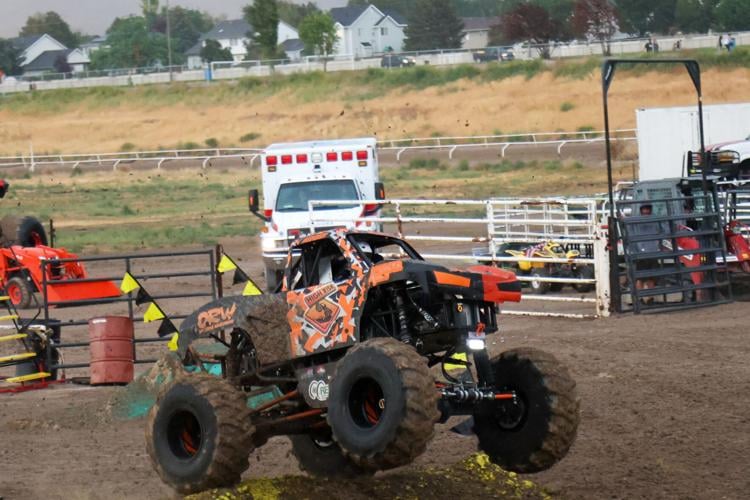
[46, 60]
[227, 30]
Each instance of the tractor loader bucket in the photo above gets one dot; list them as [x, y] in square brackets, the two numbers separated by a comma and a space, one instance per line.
[74, 292]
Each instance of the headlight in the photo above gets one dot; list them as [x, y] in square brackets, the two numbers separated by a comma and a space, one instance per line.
[475, 344]
[271, 243]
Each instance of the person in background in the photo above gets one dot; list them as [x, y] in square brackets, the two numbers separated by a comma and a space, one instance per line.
[731, 43]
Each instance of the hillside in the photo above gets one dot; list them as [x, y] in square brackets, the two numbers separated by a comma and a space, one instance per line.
[398, 103]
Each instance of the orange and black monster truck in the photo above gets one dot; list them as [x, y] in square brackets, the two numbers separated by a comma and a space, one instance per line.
[349, 360]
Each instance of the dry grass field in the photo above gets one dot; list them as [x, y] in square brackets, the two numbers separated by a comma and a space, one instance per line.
[416, 102]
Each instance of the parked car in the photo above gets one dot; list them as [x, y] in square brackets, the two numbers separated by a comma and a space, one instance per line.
[397, 61]
[494, 54]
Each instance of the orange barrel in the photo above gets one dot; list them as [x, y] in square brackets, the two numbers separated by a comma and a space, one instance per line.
[111, 348]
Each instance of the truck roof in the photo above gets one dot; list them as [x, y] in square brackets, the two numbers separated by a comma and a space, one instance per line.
[335, 143]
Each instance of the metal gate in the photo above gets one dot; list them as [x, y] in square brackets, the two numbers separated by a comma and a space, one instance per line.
[671, 252]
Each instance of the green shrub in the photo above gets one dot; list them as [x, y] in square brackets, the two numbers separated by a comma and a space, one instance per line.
[250, 136]
[212, 142]
[566, 106]
[127, 147]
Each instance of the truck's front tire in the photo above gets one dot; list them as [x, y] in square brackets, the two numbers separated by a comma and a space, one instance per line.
[198, 433]
[383, 404]
[536, 431]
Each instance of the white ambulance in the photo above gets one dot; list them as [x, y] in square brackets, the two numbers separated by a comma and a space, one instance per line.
[293, 174]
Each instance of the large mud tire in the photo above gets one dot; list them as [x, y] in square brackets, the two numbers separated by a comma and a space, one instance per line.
[322, 457]
[26, 231]
[539, 287]
[198, 433]
[586, 272]
[543, 430]
[383, 405]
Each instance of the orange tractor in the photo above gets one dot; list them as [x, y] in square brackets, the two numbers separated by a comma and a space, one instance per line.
[27, 264]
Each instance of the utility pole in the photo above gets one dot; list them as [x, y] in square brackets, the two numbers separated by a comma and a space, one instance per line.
[169, 44]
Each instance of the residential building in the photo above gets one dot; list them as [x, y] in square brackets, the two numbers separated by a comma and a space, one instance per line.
[93, 45]
[476, 31]
[40, 54]
[293, 48]
[234, 35]
[365, 30]
[33, 46]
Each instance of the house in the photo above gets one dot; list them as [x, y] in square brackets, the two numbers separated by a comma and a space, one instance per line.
[93, 45]
[48, 62]
[40, 54]
[293, 48]
[233, 35]
[365, 30]
[33, 46]
[477, 31]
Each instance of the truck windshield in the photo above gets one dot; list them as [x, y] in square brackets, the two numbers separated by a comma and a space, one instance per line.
[293, 197]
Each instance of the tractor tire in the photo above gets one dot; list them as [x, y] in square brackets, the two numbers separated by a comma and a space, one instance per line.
[26, 232]
[198, 433]
[322, 457]
[20, 292]
[586, 272]
[383, 405]
[539, 287]
[543, 428]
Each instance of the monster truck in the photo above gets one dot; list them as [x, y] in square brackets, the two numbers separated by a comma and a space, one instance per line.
[349, 361]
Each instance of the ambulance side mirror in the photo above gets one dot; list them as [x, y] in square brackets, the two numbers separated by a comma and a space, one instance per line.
[379, 191]
[253, 198]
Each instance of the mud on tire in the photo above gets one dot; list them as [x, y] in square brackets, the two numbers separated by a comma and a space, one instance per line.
[321, 456]
[383, 404]
[543, 429]
[198, 433]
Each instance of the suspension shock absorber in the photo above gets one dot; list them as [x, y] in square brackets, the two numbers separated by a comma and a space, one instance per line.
[403, 326]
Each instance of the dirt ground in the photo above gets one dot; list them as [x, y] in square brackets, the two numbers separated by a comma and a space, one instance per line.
[664, 414]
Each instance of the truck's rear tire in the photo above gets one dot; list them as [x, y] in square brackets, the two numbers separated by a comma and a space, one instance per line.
[585, 272]
[536, 431]
[322, 457]
[198, 433]
[383, 404]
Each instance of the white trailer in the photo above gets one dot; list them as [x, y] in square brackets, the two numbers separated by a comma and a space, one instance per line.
[666, 134]
[293, 174]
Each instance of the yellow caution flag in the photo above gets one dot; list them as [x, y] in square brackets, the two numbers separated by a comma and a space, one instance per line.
[129, 283]
[172, 344]
[226, 264]
[461, 356]
[251, 289]
[153, 313]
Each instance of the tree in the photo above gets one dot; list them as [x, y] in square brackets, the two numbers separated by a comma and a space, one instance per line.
[433, 24]
[10, 58]
[733, 15]
[213, 51]
[263, 16]
[130, 44]
[530, 22]
[186, 28]
[695, 16]
[52, 24]
[597, 20]
[61, 64]
[643, 17]
[318, 33]
[293, 14]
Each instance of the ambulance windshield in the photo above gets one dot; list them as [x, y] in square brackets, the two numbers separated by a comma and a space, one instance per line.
[293, 197]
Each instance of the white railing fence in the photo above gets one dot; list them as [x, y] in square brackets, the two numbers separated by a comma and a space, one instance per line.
[451, 230]
[203, 157]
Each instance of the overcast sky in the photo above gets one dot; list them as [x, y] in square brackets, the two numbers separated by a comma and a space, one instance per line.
[93, 17]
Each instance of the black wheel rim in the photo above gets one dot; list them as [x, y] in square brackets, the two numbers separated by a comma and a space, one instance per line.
[366, 403]
[184, 435]
[511, 414]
